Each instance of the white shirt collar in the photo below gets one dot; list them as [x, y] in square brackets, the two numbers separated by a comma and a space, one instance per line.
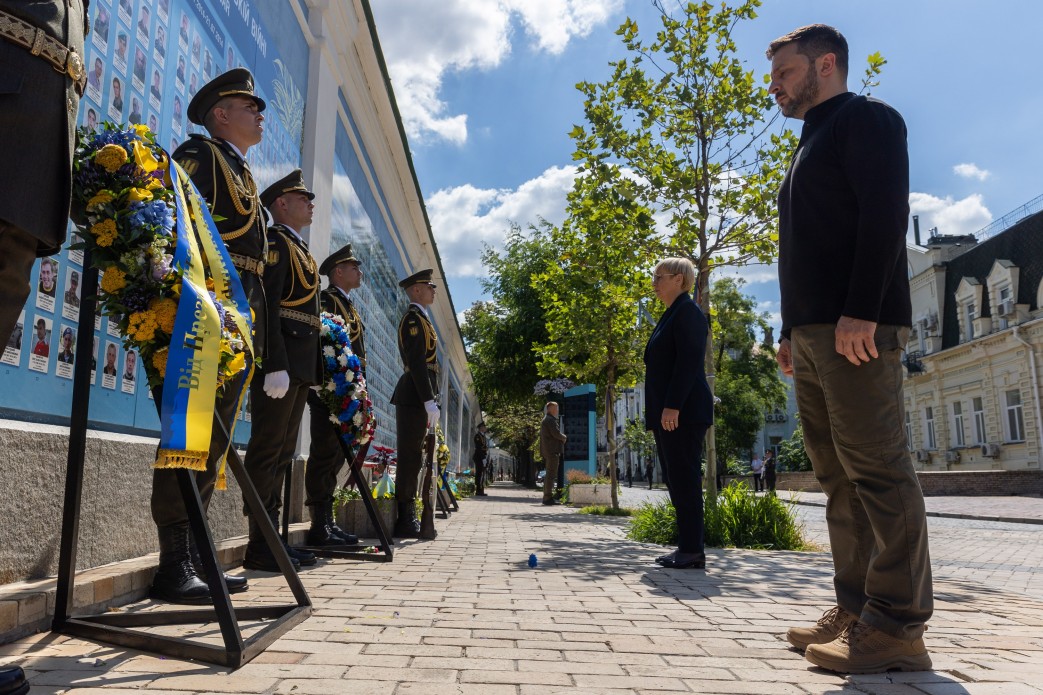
[347, 295]
[423, 310]
[237, 151]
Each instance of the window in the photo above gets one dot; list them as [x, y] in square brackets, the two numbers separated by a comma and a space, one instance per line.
[1004, 296]
[1015, 417]
[979, 420]
[957, 424]
[908, 431]
[970, 321]
[929, 420]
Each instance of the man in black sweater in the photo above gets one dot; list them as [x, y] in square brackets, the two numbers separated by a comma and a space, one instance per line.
[843, 216]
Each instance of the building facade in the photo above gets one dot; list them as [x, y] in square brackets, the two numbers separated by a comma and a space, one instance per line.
[975, 352]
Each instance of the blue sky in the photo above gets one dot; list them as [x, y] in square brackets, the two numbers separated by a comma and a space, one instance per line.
[487, 92]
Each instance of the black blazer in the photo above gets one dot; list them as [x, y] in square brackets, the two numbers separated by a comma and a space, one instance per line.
[675, 373]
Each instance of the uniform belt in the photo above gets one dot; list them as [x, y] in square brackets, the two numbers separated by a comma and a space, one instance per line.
[309, 319]
[430, 367]
[62, 58]
[250, 265]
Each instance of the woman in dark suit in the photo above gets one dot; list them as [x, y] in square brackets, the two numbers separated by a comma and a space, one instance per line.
[678, 403]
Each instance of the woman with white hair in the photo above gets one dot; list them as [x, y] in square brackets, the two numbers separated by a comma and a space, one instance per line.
[678, 403]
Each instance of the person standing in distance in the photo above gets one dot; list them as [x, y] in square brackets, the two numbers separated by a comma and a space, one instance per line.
[846, 312]
[481, 452]
[552, 443]
[415, 396]
[326, 457]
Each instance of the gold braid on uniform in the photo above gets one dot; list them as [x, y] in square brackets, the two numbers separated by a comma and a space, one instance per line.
[301, 261]
[351, 318]
[243, 194]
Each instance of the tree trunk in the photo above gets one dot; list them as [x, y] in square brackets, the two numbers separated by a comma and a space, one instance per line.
[610, 426]
[711, 377]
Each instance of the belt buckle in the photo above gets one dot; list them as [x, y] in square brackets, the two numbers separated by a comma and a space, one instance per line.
[74, 66]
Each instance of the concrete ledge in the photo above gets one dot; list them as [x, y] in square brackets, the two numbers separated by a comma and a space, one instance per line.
[934, 483]
[28, 607]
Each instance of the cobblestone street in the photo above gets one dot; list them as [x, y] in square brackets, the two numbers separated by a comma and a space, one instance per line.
[465, 614]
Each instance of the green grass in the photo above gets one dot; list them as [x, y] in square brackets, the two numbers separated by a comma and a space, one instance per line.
[606, 510]
[737, 518]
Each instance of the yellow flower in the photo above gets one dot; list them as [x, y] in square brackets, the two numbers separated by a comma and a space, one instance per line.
[153, 184]
[165, 311]
[159, 360]
[135, 195]
[99, 199]
[114, 280]
[142, 326]
[104, 232]
[141, 130]
[144, 157]
[210, 284]
[238, 363]
[112, 157]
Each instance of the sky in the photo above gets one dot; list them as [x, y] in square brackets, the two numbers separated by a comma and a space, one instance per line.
[487, 93]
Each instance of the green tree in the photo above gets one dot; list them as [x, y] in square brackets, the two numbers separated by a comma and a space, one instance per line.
[500, 335]
[748, 380]
[792, 455]
[591, 293]
[697, 129]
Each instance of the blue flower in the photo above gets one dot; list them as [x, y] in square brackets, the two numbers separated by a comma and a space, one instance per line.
[154, 215]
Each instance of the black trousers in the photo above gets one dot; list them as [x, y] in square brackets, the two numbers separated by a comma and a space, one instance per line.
[411, 422]
[325, 457]
[273, 438]
[17, 255]
[680, 454]
[479, 476]
[168, 508]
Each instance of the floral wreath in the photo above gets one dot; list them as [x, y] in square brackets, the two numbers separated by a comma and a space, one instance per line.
[343, 391]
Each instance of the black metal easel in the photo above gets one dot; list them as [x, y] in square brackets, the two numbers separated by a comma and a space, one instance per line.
[384, 540]
[119, 628]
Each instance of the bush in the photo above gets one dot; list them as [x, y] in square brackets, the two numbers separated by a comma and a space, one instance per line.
[606, 510]
[577, 477]
[737, 518]
[464, 488]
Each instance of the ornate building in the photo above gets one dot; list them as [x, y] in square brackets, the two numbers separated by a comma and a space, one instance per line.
[972, 387]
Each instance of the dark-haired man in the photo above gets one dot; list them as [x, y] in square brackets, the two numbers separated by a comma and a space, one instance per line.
[843, 211]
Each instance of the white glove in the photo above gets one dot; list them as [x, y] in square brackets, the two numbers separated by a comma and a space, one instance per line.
[432, 414]
[277, 384]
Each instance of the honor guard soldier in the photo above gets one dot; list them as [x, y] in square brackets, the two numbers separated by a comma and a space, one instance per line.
[41, 51]
[232, 115]
[292, 364]
[481, 451]
[41, 54]
[415, 396]
[326, 457]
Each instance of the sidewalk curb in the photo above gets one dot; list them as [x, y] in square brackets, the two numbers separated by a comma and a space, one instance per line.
[949, 515]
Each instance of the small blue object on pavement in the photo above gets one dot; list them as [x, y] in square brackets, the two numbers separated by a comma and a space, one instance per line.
[532, 560]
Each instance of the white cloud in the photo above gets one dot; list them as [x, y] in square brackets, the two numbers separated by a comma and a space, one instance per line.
[422, 41]
[951, 217]
[969, 170]
[465, 217]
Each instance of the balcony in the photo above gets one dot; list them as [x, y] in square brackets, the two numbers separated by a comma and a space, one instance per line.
[913, 362]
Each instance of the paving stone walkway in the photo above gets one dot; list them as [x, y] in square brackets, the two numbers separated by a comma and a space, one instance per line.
[466, 615]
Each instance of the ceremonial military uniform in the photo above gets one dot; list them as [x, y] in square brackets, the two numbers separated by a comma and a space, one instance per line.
[481, 451]
[225, 182]
[291, 283]
[418, 348]
[326, 457]
[41, 80]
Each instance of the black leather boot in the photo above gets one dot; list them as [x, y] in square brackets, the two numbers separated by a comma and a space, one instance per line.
[345, 537]
[12, 681]
[176, 580]
[235, 584]
[407, 526]
[304, 558]
[258, 555]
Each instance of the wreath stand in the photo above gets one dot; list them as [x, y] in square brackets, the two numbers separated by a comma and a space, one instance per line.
[385, 543]
[121, 628]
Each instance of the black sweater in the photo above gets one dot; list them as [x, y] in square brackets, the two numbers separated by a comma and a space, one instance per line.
[843, 216]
